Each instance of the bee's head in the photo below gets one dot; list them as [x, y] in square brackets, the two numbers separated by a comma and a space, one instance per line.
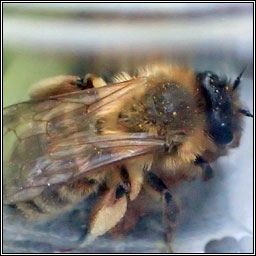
[222, 115]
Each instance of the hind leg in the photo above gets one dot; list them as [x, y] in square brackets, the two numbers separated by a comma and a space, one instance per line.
[64, 84]
[94, 81]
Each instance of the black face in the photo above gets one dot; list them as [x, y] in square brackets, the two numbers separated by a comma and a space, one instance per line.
[219, 107]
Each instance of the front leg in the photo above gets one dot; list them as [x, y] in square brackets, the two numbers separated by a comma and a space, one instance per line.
[170, 207]
[207, 170]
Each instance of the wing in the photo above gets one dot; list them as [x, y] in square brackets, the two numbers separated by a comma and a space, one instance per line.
[56, 141]
[61, 115]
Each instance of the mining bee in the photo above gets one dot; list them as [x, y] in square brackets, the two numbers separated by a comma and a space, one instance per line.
[76, 135]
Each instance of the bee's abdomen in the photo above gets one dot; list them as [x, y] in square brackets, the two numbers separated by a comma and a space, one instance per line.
[54, 201]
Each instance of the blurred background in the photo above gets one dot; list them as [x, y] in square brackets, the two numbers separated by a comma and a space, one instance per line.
[47, 39]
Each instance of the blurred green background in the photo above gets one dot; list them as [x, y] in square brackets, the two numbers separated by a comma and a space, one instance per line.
[22, 69]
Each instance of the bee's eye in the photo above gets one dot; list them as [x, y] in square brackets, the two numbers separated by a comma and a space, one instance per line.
[218, 106]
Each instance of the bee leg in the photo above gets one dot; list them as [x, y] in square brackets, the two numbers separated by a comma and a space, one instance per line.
[55, 86]
[170, 207]
[90, 81]
[109, 209]
[106, 213]
[64, 84]
[207, 170]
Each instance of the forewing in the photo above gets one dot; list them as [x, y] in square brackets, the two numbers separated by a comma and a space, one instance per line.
[62, 115]
[56, 140]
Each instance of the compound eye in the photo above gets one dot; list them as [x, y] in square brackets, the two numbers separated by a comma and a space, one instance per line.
[218, 106]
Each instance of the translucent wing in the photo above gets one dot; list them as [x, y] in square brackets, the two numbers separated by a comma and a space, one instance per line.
[56, 141]
[62, 115]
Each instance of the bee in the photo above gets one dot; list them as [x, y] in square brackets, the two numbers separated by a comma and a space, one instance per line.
[77, 135]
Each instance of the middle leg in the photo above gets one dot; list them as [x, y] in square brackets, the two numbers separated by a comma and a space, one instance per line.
[170, 207]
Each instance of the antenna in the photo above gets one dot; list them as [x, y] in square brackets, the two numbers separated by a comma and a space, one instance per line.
[238, 79]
